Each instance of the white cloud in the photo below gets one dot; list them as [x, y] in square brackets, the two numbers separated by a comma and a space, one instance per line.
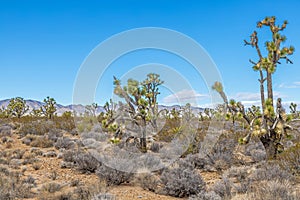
[184, 96]
[295, 84]
[247, 96]
[253, 96]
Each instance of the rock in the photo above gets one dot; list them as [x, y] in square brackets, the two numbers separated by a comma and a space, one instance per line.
[68, 165]
[50, 154]
[15, 162]
[60, 155]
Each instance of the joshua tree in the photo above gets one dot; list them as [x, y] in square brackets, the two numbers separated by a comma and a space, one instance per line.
[268, 122]
[141, 102]
[48, 109]
[232, 109]
[17, 107]
[293, 110]
[271, 134]
[187, 112]
[233, 112]
[151, 86]
[108, 119]
[275, 53]
[68, 115]
[219, 88]
[207, 113]
[91, 109]
[3, 112]
[254, 111]
[36, 112]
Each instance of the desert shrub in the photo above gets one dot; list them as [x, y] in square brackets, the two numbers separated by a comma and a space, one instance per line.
[18, 154]
[30, 180]
[82, 193]
[42, 142]
[211, 195]
[37, 127]
[51, 187]
[222, 152]
[290, 159]
[223, 188]
[15, 163]
[148, 181]
[73, 132]
[239, 178]
[238, 173]
[270, 190]
[4, 161]
[36, 166]
[85, 125]
[112, 176]
[64, 143]
[56, 196]
[4, 170]
[11, 187]
[256, 150]
[64, 123]
[5, 130]
[258, 155]
[69, 156]
[35, 152]
[270, 171]
[195, 161]
[181, 182]
[149, 161]
[86, 163]
[54, 134]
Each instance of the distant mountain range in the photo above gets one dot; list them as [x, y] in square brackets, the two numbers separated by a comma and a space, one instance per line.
[34, 104]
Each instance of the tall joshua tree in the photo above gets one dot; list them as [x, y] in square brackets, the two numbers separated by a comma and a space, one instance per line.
[275, 53]
[141, 100]
[270, 125]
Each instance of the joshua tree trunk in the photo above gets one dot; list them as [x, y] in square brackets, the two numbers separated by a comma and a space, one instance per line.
[262, 89]
[143, 140]
[271, 145]
[262, 96]
[270, 88]
[154, 119]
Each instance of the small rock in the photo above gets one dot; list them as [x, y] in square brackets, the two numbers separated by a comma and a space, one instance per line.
[15, 162]
[60, 155]
[68, 165]
[50, 154]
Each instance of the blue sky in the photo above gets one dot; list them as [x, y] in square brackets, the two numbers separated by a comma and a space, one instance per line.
[44, 43]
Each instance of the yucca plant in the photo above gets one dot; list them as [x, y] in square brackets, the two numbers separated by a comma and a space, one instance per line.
[141, 102]
[17, 107]
[270, 125]
[49, 107]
